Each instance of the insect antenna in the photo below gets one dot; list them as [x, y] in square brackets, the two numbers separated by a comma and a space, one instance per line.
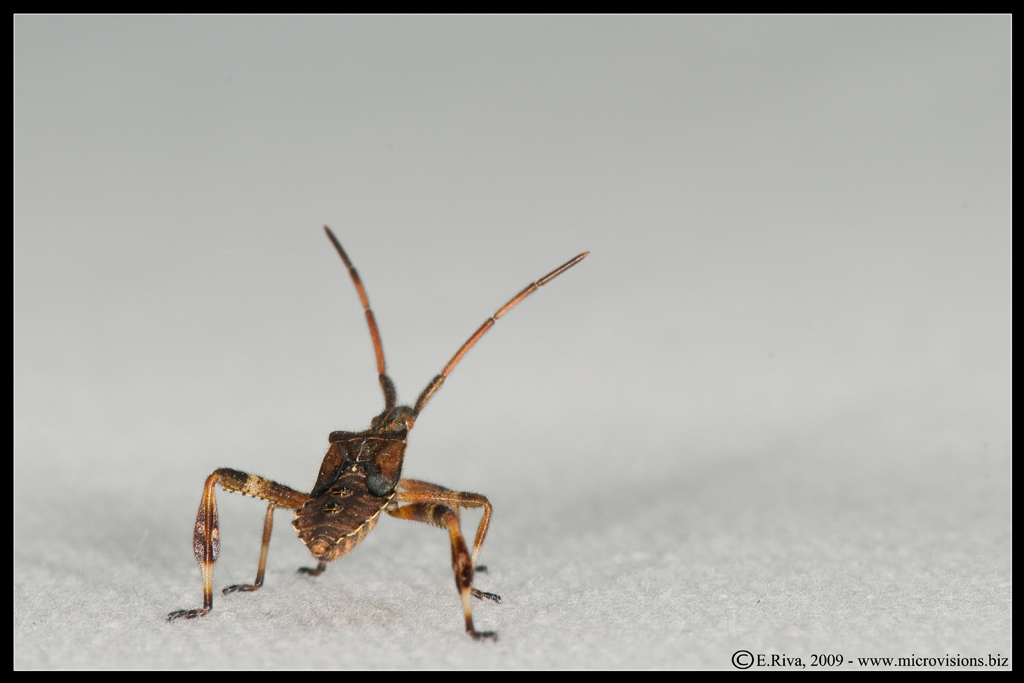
[385, 382]
[436, 383]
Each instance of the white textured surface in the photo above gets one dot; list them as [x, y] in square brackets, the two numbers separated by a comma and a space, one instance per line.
[771, 412]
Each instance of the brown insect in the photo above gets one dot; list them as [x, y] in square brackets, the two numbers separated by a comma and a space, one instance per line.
[360, 478]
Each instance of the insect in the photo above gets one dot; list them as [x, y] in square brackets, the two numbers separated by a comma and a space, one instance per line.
[359, 479]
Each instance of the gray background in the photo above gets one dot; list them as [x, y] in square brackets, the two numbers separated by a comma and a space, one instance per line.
[771, 411]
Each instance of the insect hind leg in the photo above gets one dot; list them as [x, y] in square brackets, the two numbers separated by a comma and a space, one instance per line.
[416, 491]
[447, 517]
[206, 538]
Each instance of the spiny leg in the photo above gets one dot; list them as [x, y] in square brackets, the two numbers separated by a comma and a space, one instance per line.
[436, 383]
[206, 537]
[462, 564]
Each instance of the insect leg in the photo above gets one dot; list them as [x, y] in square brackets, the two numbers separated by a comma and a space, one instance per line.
[206, 538]
[462, 564]
[320, 567]
[268, 526]
[415, 491]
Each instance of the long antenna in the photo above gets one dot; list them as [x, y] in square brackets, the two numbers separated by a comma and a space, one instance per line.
[385, 382]
[436, 383]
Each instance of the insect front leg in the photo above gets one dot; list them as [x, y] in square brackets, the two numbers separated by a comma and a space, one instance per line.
[206, 537]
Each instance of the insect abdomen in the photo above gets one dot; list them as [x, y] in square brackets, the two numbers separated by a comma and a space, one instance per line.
[337, 520]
